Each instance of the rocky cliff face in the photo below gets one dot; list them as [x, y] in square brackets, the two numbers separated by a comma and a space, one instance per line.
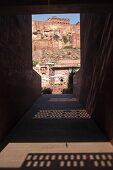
[44, 56]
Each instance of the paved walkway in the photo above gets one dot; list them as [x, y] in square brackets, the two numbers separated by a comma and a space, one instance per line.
[56, 134]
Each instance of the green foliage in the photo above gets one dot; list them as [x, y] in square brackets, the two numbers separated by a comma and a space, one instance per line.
[70, 39]
[47, 91]
[69, 90]
[34, 63]
[56, 37]
[65, 39]
[68, 47]
[70, 81]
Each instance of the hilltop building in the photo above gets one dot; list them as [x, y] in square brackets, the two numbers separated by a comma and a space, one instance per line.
[55, 33]
[56, 46]
[59, 20]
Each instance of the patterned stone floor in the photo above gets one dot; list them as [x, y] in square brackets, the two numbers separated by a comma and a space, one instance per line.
[62, 114]
[56, 134]
[69, 160]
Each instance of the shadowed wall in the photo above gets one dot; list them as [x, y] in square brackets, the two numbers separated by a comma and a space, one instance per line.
[96, 79]
[19, 84]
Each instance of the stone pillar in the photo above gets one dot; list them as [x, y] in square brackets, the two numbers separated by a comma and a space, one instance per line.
[19, 84]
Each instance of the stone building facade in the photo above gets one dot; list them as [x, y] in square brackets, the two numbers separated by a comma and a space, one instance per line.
[59, 20]
[50, 40]
[55, 33]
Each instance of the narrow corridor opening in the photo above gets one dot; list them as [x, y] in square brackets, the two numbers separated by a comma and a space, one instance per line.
[56, 132]
[56, 50]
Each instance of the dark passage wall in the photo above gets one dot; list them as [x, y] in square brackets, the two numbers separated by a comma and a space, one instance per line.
[96, 74]
[19, 84]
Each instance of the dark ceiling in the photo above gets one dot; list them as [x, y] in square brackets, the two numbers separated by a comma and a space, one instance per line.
[8, 7]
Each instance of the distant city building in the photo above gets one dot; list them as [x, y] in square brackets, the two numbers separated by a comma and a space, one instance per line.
[59, 20]
[55, 33]
[62, 70]
[56, 47]
[45, 72]
[56, 75]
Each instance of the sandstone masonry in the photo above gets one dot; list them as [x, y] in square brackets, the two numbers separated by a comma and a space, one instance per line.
[55, 33]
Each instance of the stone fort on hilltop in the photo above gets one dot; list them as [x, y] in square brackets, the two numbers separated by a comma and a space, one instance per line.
[55, 33]
[56, 49]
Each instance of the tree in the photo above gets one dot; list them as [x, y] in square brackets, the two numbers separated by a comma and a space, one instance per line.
[56, 37]
[65, 39]
[34, 63]
[70, 81]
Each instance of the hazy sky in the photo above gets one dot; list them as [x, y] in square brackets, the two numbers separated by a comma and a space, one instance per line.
[43, 17]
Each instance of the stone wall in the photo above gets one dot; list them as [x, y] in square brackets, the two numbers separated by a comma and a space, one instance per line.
[59, 20]
[96, 75]
[19, 84]
[55, 35]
